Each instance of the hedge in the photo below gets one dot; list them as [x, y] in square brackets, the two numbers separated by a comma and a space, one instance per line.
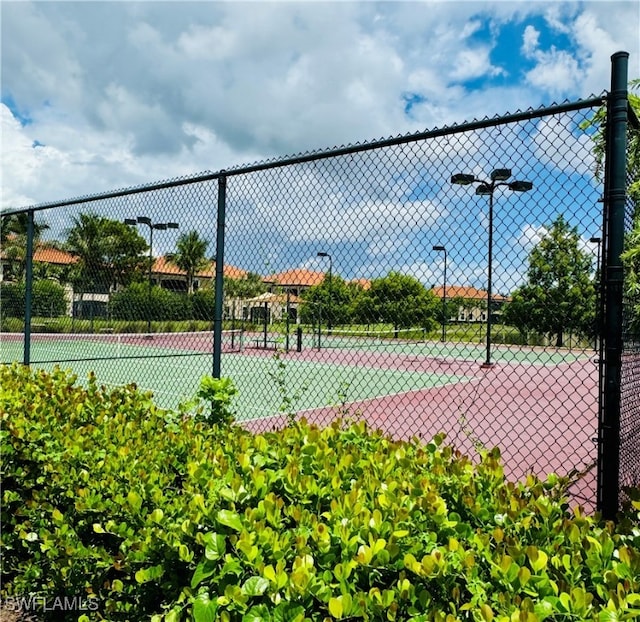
[48, 299]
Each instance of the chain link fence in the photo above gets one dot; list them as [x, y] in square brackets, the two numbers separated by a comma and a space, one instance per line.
[629, 434]
[440, 282]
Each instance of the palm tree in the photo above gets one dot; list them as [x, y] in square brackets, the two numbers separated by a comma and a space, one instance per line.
[190, 256]
[108, 251]
[85, 240]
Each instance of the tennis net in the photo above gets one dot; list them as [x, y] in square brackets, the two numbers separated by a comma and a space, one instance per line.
[367, 339]
[64, 347]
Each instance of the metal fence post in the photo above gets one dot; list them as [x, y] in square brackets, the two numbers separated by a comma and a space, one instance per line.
[615, 190]
[28, 289]
[219, 285]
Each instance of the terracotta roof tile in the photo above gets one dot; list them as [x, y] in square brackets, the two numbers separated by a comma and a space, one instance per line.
[467, 293]
[161, 265]
[298, 277]
[47, 254]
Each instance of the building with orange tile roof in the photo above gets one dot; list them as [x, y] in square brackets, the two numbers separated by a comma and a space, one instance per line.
[168, 275]
[295, 281]
[43, 253]
[473, 302]
[53, 256]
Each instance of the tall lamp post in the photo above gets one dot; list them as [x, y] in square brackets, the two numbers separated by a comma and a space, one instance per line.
[160, 226]
[442, 249]
[499, 178]
[329, 310]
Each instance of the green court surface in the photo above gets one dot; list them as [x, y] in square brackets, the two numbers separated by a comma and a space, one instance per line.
[173, 379]
[452, 350]
[171, 365]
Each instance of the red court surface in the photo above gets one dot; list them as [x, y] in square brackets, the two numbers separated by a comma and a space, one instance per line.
[542, 417]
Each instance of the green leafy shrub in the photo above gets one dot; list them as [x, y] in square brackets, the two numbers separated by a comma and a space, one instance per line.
[203, 304]
[48, 299]
[212, 402]
[12, 297]
[162, 516]
[135, 303]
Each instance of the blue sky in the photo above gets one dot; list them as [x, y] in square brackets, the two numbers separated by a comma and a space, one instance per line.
[104, 95]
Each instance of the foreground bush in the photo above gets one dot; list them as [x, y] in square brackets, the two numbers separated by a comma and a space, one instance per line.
[109, 498]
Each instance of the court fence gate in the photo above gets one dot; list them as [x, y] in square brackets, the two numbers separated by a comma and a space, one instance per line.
[473, 280]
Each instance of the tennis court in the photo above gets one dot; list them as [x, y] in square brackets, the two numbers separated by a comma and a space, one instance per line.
[171, 365]
[408, 341]
[529, 400]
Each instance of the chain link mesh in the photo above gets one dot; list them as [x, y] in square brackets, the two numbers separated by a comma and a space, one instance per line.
[356, 284]
[629, 458]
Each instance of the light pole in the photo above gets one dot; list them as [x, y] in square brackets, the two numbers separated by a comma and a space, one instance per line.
[499, 178]
[329, 309]
[442, 249]
[161, 226]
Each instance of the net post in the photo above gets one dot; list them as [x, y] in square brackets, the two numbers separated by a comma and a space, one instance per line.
[219, 283]
[615, 191]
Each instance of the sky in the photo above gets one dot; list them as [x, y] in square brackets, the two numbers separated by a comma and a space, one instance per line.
[103, 95]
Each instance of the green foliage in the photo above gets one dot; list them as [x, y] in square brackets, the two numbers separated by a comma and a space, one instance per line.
[559, 296]
[203, 304]
[190, 256]
[398, 299]
[631, 255]
[598, 123]
[134, 303]
[48, 299]
[248, 287]
[166, 517]
[217, 395]
[13, 301]
[109, 252]
[331, 302]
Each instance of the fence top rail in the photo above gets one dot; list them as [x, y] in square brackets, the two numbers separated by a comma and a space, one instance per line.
[322, 154]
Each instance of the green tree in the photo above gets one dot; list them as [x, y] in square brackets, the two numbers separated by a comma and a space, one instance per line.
[248, 287]
[631, 255]
[13, 242]
[190, 256]
[400, 300]
[332, 302]
[559, 296]
[109, 252]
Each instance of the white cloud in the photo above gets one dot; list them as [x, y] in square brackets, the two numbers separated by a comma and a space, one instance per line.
[557, 72]
[474, 63]
[564, 146]
[596, 30]
[530, 41]
[531, 235]
[335, 219]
